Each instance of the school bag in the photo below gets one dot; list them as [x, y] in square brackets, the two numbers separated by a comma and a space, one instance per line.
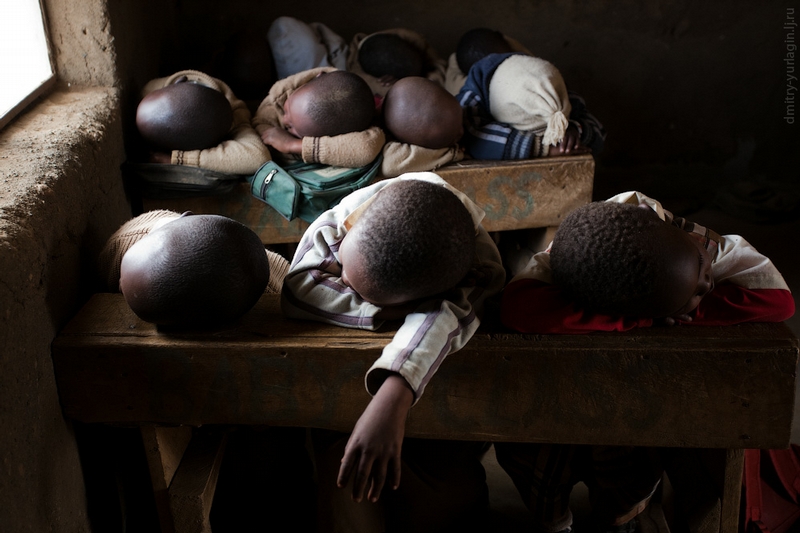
[165, 181]
[306, 190]
[772, 490]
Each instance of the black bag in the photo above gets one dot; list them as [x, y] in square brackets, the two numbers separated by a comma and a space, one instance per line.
[163, 181]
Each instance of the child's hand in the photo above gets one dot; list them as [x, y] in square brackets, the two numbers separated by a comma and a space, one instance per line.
[387, 80]
[570, 144]
[372, 453]
[674, 320]
[160, 157]
[282, 140]
[478, 276]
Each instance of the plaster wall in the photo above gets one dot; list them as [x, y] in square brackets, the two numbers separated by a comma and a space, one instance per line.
[60, 197]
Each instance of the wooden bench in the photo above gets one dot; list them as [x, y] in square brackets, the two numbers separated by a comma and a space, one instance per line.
[715, 391]
[534, 193]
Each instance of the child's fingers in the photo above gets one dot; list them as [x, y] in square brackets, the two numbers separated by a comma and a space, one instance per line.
[345, 469]
[395, 465]
[573, 143]
[378, 480]
[362, 476]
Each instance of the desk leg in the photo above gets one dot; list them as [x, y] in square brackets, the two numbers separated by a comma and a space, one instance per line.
[726, 468]
[164, 448]
[192, 489]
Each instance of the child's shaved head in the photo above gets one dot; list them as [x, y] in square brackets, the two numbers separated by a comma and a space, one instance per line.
[387, 54]
[623, 259]
[195, 270]
[333, 103]
[415, 239]
[184, 116]
[419, 111]
[478, 43]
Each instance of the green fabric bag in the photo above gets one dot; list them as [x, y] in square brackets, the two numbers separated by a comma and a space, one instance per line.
[306, 190]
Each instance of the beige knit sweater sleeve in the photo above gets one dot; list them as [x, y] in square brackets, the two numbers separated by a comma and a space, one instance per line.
[355, 149]
[127, 235]
[241, 153]
[399, 158]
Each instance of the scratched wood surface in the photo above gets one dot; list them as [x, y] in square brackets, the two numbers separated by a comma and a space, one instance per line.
[730, 387]
[515, 195]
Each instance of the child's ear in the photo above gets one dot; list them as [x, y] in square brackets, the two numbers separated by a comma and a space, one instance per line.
[643, 205]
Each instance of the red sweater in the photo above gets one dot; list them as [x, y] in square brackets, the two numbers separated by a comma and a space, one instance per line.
[533, 306]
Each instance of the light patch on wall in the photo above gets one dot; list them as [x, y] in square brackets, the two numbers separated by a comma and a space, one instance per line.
[25, 66]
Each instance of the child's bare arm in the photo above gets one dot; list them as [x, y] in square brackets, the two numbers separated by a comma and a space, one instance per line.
[372, 454]
[159, 157]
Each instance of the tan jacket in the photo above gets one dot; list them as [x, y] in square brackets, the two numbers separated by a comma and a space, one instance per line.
[399, 158]
[241, 153]
[355, 149]
[436, 72]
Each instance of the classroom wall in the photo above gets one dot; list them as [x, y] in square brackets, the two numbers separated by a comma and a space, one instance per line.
[682, 87]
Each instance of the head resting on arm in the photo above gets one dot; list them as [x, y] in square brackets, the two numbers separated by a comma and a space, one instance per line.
[416, 239]
[419, 111]
[195, 270]
[333, 103]
[622, 259]
[184, 116]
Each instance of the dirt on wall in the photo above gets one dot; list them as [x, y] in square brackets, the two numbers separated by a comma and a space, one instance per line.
[60, 197]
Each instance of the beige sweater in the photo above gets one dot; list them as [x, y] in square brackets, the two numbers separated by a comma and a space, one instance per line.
[241, 153]
[399, 158]
[436, 72]
[355, 149]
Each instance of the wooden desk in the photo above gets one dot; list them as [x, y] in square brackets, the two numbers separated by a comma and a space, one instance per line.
[722, 389]
[534, 193]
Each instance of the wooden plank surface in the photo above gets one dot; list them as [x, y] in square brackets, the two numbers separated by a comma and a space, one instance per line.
[726, 469]
[515, 194]
[164, 448]
[191, 492]
[730, 387]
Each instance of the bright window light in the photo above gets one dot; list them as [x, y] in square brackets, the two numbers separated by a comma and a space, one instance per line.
[25, 67]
